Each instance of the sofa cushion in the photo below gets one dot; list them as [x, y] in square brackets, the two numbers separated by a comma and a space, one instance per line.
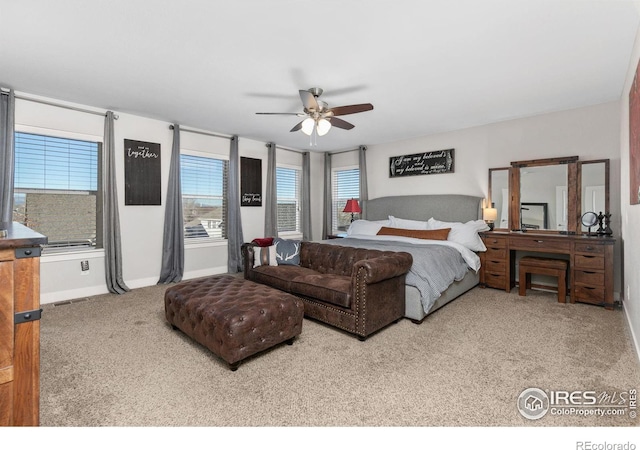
[279, 276]
[287, 251]
[334, 289]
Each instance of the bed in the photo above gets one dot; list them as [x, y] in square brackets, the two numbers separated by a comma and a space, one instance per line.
[407, 211]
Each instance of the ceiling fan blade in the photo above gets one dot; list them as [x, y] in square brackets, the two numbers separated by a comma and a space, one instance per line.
[297, 127]
[351, 109]
[280, 114]
[308, 100]
[339, 123]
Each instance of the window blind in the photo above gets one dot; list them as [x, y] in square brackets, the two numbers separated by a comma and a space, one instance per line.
[57, 189]
[204, 199]
[345, 186]
[288, 193]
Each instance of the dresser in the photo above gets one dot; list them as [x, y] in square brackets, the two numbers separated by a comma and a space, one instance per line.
[590, 262]
[19, 325]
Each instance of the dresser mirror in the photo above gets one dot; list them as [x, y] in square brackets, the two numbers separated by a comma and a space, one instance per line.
[543, 197]
[499, 196]
[549, 195]
[594, 192]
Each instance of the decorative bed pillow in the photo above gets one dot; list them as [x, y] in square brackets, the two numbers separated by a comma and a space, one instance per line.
[463, 233]
[287, 251]
[263, 242]
[437, 235]
[265, 256]
[366, 227]
[407, 224]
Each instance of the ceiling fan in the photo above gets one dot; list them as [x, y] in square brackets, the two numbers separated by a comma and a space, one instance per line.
[319, 116]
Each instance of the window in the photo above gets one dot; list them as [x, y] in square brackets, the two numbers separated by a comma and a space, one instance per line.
[288, 193]
[345, 185]
[57, 189]
[204, 205]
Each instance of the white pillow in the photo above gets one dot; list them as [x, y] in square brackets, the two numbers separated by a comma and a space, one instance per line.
[366, 227]
[463, 233]
[395, 222]
[265, 256]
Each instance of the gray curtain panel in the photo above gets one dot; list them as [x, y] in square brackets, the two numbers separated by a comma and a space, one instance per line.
[111, 219]
[234, 222]
[271, 199]
[306, 196]
[364, 192]
[327, 227]
[173, 241]
[7, 154]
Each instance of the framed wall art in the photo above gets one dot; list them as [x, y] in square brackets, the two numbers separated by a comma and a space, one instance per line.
[426, 163]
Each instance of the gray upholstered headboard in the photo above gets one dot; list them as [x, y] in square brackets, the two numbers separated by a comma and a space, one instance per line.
[445, 207]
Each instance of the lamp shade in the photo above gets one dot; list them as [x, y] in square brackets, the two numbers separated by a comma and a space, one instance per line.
[352, 206]
[323, 127]
[307, 126]
[489, 214]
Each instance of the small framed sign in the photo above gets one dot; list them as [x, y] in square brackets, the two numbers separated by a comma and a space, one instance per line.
[250, 182]
[142, 175]
[427, 163]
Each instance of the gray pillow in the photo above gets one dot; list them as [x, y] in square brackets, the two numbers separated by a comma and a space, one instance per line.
[287, 251]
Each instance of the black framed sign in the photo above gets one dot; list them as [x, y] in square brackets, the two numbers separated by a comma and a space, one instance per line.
[250, 182]
[142, 175]
[426, 163]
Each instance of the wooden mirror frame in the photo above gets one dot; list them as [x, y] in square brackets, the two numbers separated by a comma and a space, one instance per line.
[490, 198]
[607, 205]
[573, 217]
[574, 190]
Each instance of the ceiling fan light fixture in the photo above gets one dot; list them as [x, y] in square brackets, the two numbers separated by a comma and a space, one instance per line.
[323, 127]
[307, 126]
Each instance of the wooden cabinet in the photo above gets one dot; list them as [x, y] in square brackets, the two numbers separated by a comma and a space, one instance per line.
[495, 266]
[20, 326]
[590, 262]
[592, 280]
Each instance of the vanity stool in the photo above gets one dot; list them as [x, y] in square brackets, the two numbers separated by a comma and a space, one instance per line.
[543, 266]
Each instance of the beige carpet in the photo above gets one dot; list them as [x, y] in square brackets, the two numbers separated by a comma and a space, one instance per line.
[114, 361]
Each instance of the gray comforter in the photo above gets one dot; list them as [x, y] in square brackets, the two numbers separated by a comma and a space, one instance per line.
[434, 267]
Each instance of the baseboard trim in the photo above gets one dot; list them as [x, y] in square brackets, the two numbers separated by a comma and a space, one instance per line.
[634, 338]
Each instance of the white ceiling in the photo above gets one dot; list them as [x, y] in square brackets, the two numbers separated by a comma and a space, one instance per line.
[427, 66]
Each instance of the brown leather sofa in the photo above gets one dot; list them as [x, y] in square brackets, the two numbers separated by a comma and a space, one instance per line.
[354, 289]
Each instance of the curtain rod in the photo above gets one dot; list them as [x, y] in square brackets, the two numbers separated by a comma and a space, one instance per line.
[171, 127]
[57, 105]
[345, 151]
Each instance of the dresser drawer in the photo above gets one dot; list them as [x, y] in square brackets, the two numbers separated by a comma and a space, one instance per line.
[589, 294]
[589, 262]
[542, 244]
[496, 253]
[494, 266]
[589, 278]
[495, 279]
[495, 242]
[586, 247]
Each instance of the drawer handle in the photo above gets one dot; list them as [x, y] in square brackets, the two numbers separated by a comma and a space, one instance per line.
[588, 287]
[539, 241]
[588, 256]
[586, 271]
[589, 247]
[495, 262]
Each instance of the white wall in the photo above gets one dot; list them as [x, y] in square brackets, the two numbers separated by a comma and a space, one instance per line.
[630, 213]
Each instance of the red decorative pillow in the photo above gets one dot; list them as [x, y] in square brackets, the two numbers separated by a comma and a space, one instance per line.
[263, 242]
[436, 235]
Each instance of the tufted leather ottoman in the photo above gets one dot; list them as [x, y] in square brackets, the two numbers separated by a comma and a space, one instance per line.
[233, 317]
